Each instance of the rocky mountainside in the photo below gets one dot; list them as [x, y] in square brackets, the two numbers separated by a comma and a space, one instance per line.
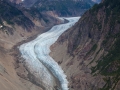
[19, 21]
[64, 7]
[16, 25]
[10, 15]
[61, 7]
[89, 52]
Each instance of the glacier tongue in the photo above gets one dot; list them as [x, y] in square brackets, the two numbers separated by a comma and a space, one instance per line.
[38, 61]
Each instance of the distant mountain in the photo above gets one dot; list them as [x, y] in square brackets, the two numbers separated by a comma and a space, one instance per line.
[29, 3]
[64, 7]
[61, 7]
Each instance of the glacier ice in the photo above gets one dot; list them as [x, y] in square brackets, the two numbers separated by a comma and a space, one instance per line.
[37, 59]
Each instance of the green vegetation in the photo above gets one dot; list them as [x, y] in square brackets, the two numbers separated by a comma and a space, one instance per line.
[12, 16]
[36, 13]
[63, 7]
[8, 12]
[110, 83]
[98, 24]
[92, 49]
[112, 10]
[111, 59]
[109, 64]
[96, 7]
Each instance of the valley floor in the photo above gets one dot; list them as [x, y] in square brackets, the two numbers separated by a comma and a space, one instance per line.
[11, 70]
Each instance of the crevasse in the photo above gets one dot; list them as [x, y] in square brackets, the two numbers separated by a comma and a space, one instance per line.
[36, 54]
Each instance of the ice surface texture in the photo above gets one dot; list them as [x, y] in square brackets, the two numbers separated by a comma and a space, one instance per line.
[37, 59]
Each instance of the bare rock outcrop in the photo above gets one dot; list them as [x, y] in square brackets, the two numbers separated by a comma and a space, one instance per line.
[88, 52]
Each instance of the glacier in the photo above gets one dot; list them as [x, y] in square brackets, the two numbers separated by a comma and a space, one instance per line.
[37, 59]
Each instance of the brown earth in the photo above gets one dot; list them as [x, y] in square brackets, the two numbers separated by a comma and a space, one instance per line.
[13, 75]
[78, 74]
[82, 50]
[9, 79]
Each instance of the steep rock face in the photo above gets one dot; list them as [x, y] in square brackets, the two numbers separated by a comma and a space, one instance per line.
[16, 25]
[11, 15]
[61, 7]
[21, 22]
[89, 51]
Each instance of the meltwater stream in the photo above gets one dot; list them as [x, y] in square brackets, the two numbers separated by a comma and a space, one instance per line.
[37, 59]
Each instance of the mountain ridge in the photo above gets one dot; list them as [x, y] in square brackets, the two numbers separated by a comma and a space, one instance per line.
[61, 7]
[88, 52]
[19, 24]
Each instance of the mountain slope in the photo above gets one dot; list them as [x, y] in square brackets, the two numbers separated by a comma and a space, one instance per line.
[64, 7]
[22, 22]
[89, 51]
[17, 15]
[11, 15]
[16, 25]
[59, 7]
